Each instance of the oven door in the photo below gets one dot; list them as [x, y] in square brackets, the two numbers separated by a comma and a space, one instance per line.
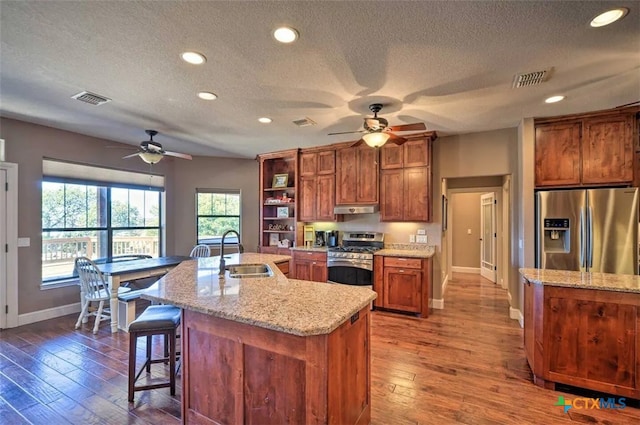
[350, 272]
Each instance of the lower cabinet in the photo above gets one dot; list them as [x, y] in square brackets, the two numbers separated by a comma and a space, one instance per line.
[403, 284]
[586, 338]
[309, 265]
[284, 267]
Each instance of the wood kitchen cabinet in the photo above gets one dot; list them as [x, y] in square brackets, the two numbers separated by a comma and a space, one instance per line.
[317, 185]
[356, 175]
[278, 206]
[309, 265]
[405, 181]
[594, 149]
[586, 338]
[403, 284]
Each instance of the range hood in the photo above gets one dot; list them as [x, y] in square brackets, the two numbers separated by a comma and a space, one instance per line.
[355, 209]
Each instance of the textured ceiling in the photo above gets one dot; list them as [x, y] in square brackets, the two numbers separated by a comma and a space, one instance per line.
[448, 64]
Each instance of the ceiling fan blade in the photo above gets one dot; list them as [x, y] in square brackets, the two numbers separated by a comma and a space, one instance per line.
[132, 155]
[408, 127]
[347, 132]
[178, 155]
[398, 140]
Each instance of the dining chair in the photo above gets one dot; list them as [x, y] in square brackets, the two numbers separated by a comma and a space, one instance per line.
[94, 288]
[200, 251]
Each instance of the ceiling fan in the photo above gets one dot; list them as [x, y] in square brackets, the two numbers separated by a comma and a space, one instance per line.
[151, 151]
[377, 130]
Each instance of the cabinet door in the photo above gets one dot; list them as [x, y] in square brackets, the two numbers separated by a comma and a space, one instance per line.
[416, 153]
[308, 164]
[416, 194]
[403, 289]
[325, 196]
[528, 323]
[346, 175]
[557, 155]
[301, 269]
[391, 191]
[607, 150]
[391, 156]
[307, 202]
[327, 162]
[319, 271]
[367, 175]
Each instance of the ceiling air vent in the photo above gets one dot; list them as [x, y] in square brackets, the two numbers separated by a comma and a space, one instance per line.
[304, 122]
[530, 78]
[92, 98]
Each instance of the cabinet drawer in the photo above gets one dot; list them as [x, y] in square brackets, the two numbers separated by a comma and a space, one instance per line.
[409, 263]
[309, 255]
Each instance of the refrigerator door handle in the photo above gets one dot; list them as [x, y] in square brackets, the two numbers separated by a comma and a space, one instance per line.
[583, 240]
[589, 237]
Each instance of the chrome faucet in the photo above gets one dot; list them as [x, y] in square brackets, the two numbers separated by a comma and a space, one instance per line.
[222, 262]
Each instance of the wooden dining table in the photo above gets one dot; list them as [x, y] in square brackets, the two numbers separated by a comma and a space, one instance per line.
[126, 271]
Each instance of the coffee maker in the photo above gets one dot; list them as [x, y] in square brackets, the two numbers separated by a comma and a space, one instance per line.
[331, 238]
[320, 240]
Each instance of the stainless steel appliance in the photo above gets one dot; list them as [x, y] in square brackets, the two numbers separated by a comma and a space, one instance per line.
[332, 238]
[352, 262]
[320, 239]
[591, 230]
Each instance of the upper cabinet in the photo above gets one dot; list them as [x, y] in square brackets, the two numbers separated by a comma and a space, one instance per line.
[356, 175]
[593, 149]
[317, 185]
[405, 181]
[278, 196]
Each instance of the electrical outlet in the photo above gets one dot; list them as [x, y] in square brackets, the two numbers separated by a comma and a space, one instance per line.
[421, 232]
[412, 238]
[421, 238]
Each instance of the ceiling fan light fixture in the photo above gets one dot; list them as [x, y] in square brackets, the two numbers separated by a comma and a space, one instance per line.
[609, 17]
[285, 35]
[150, 157]
[193, 58]
[375, 140]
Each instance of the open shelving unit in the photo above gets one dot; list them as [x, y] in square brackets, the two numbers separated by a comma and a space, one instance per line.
[278, 197]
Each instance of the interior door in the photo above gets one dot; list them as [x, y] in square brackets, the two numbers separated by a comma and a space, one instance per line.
[488, 239]
[3, 253]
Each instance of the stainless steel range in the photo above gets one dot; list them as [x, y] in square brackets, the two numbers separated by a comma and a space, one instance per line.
[352, 262]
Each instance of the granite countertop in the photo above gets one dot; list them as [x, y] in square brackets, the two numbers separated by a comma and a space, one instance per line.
[313, 248]
[573, 279]
[410, 250]
[292, 306]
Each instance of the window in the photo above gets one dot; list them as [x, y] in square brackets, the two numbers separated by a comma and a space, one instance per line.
[96, 220]
[217, 210]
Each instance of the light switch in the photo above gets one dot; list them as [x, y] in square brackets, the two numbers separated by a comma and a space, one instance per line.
[468, 231]
[421, 238]
[412, 238]
[24, 242]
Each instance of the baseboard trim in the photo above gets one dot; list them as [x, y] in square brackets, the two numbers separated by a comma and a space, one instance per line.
[49, 313]
[458, 269]
[437, 304]
[516, 314]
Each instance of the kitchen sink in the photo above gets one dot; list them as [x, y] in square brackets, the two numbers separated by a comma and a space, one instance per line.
[242, 271]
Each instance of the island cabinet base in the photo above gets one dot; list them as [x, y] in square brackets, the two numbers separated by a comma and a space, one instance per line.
[585, 338]
[234, 373]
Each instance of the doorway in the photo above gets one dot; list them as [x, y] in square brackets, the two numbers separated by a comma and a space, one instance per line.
[488, 236]
[8, 245]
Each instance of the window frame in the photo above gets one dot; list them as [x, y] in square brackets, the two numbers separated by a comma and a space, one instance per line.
[50, 283]
[216, 240]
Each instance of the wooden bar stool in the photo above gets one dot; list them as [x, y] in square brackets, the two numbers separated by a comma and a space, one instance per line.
[155, 320]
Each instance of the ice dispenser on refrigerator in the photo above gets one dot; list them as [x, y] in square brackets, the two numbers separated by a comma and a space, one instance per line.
[557, 235]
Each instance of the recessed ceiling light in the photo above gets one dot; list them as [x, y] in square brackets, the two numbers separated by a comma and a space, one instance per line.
[194, 58]
[609, 17]
[265, 120]
[207, 95]
[285, 35]
[554, 99]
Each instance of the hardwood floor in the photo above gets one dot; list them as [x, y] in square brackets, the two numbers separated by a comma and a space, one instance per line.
[463, 365]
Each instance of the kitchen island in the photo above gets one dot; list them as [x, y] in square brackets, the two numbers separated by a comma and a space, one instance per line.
[269, 350]
[582, 329]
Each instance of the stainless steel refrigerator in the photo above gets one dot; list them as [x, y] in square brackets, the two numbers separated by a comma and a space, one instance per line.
[589, 230]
